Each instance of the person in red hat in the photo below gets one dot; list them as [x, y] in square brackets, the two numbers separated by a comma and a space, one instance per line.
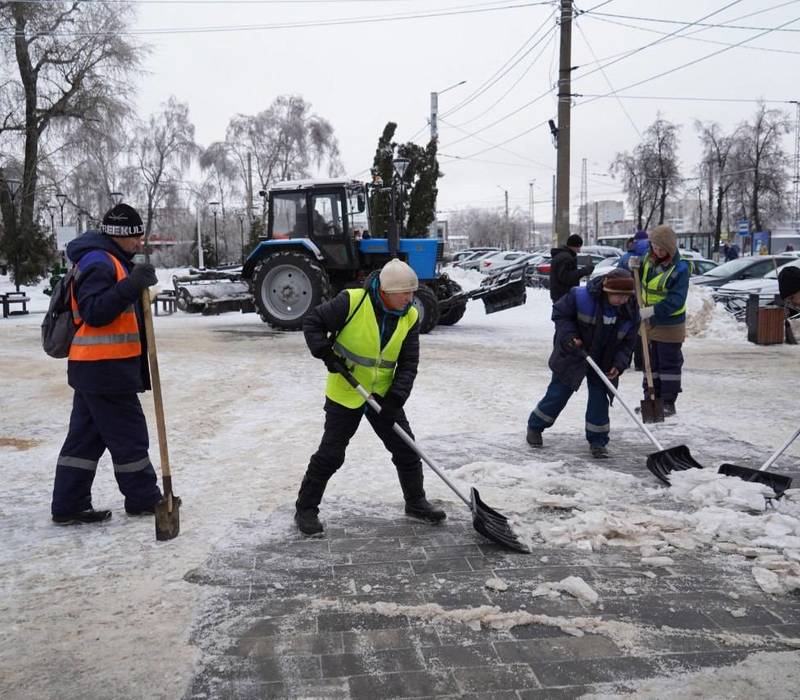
[601, 319]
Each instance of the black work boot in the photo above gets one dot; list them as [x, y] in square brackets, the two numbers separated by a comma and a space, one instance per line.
[306, 506]
[669, 409]
[534, 437]
[85, 516]
[417, 506]
[599, 451]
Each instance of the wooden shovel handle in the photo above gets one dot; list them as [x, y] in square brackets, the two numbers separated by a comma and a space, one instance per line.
[645, 344]
[155, 381]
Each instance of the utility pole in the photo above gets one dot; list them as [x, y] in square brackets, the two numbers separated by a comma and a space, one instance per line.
[553, 237]
[796, 196]
[531, 223]
[561, 222]
[583, 214]
[249, 181]
[596, 224]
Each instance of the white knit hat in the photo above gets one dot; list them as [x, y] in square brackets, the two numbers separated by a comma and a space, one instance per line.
[397, 276]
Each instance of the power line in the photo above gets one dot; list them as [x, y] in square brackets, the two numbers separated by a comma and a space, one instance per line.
[720, 25]
[463, 10]
[690, 63]
[500, 72]
[690, 37]
[753, 100]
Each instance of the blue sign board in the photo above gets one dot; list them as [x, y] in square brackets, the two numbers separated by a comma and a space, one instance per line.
[744, 226]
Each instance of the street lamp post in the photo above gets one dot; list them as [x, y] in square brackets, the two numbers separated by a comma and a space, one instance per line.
[532, 241]
[240, 216]
[13, 187]
[62, 200]
[435, 108]
[214, 206]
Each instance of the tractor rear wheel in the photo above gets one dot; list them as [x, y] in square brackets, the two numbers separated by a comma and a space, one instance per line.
[454, 313]
[286, 287]
[427, 306]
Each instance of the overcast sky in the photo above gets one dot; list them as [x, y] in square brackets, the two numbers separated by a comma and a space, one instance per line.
[360, 75]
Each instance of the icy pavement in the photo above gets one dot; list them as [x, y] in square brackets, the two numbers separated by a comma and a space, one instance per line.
[384, 606]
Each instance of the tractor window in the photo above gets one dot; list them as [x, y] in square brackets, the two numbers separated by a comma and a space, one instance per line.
[289, 215]
[327, 215]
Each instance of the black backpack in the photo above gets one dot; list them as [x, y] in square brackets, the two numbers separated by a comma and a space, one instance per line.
[58, 329]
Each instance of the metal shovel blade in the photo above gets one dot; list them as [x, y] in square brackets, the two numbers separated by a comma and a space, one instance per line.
[672, 459]
[168, 521]
[652, 411]
[494, 525]
[777, 482]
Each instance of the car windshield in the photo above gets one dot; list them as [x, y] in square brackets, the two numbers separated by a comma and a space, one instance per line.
[730, 268]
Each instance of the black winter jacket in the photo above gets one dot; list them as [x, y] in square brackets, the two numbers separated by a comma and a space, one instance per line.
[329, 318]
[564, 272]
[100, 300]
[580, 314]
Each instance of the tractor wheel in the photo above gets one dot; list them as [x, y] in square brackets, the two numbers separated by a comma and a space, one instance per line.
[286, 287]
[454, 313]
[427, 306]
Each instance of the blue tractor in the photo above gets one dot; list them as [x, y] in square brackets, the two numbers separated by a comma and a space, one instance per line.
[319, 242]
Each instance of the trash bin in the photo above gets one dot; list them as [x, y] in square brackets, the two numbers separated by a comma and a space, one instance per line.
[765, 324]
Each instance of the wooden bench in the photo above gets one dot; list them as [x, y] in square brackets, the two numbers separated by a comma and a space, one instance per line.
[10, 298]
[167, 299]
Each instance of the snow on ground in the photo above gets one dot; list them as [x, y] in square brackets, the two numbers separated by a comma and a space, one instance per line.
[104, 611]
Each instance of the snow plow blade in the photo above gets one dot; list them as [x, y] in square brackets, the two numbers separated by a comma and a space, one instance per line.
[672, 459]
[210, 292]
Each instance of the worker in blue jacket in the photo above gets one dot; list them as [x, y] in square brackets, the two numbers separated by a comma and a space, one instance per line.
[107, 367]
[602, 320]
[664, 279]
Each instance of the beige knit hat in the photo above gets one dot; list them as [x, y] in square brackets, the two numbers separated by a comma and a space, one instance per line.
[664, 237]
[397, 276]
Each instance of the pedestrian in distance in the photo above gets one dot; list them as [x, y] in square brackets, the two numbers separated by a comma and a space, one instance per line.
[107, 368]
[602, 320]
[664, 280]
[374, 331]
[789, 285]
[639, 248]
[564, 271]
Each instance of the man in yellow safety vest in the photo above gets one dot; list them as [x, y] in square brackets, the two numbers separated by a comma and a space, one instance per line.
[374, 331]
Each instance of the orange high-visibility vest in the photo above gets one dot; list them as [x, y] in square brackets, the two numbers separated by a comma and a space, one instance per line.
[115, 341]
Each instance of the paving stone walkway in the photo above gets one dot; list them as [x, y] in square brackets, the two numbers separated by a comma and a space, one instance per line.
[292, 617]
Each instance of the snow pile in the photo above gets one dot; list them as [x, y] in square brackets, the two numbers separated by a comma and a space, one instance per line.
[705, 318]
[496, 584]
[574, 585]
[468, 279]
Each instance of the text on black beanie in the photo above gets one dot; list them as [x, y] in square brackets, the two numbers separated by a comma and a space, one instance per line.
[122, 220]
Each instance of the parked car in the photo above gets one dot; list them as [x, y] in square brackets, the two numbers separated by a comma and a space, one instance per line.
[752, 267]
[540, 275]
[734, 295]
[699, 266]
[473, 261]
[604, 266]
[503, 259]
[460, 255]
[606, 251]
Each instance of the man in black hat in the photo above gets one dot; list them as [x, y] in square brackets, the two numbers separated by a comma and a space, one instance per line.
[107, 367]
[789, 285]
[564, 271]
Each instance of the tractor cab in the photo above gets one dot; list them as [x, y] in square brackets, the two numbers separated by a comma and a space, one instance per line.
[330, 214]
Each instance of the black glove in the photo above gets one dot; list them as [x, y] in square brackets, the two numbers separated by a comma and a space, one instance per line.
[588, 270]
[332, 361]
[142, 276]
[391, 407]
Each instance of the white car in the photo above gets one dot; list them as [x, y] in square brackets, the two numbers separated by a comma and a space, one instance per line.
[504, 258]
[733, 295]
[603, 267]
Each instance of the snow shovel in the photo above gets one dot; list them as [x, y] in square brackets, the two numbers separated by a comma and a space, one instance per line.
[487, 521]
[664, 461]
[167, 510]
[652, 408]
[777, 482]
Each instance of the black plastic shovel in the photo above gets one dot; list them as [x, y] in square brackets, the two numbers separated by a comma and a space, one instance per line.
[777, 482]
[486, 520]
[664, 461]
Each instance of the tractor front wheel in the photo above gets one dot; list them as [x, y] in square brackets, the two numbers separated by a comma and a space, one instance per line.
[427, 306]
[286, 286]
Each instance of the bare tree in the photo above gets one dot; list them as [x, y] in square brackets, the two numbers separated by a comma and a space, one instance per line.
[718, 170]
[63, 63]
[661, 142]
[163, 149]
[633, 169]
[761, 165]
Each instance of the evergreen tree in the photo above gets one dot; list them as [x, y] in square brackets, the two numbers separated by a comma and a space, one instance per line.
[379, 205]
[28, 253]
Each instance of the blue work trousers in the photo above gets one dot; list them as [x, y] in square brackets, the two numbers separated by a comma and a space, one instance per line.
[99, 422]
[666, 361]
[557, 397]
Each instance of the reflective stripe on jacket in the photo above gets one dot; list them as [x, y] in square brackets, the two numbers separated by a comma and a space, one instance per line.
[359, 343]
[115, 341]
[654, 290]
